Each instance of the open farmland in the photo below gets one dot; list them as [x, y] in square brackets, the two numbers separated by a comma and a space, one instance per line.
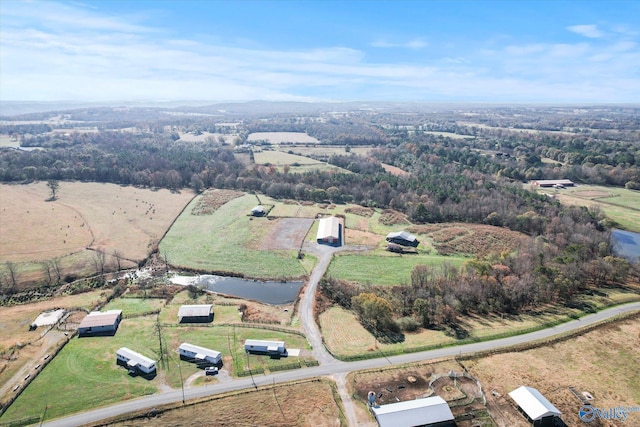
[604, 362]
[325, 150]
[282, 137]
[619, 204]
[228, 241]
[85, 218]
[294, 162]
[317, 397]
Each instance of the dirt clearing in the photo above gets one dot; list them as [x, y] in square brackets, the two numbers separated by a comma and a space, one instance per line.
[286, 233]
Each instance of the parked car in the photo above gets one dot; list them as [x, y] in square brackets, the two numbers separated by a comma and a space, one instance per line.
[211, 370]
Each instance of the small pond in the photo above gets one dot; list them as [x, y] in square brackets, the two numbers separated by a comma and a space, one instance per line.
[626, 244]
[268, 292]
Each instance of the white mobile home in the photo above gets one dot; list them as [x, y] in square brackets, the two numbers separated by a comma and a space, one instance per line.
[135, 361]
[262, 346]
[199, 354]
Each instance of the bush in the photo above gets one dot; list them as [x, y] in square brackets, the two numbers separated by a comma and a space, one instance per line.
[408, 324]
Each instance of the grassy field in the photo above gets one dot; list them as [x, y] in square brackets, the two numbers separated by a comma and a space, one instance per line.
[227, 241]
[619, 204]
[604, 362]
[282, 137]
[86, 217]
[306, 404]
[325, 150]
[346, 338]
[297, 164]
[391, 269]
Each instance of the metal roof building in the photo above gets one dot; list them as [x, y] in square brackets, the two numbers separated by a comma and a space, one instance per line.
[403, 238]
[535, 405]
[97, 322]
[552, 182]
[135, 361]
[430, 411]
[199, 353]
[329, 231]
[196, 313]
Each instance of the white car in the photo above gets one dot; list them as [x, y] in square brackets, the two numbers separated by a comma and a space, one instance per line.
[211, 370]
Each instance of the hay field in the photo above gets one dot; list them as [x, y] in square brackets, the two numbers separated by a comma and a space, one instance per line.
[619, 204]
[604, 362]
[282, 137]
[85, 217]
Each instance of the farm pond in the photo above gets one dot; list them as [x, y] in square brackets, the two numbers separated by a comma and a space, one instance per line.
[626, 244]
[268, 292]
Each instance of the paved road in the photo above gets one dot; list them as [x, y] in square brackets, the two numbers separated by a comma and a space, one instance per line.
[335, 369]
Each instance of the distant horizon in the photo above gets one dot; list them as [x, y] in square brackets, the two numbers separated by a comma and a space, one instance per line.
[529, 51]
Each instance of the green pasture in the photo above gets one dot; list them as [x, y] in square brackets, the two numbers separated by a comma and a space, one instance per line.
[390, 269]
[619, 204]
[229, 240]
[69, 382]
[296, 163]
[134, 307]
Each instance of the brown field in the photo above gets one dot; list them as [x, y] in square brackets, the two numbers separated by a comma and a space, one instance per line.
[393, 170]
[452, 238]
[604, 362]
[310, 403]
[211, 200]
[86, 217]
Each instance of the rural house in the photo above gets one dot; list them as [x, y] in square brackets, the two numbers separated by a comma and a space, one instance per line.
[135, 362]
[265, 347]
[535, 406]
[98, 323]
[330, 231]
[199, 354]
[403, 238]
[198, 313]
[429, 412]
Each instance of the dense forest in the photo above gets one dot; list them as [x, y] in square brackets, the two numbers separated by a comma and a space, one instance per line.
[474, 175]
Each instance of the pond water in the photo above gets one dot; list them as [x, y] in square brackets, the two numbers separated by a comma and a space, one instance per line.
[268, 292]
[626, 244]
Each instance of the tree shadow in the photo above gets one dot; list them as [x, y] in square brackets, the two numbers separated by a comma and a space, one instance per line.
[388, 337]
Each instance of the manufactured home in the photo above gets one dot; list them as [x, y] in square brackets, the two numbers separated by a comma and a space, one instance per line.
[265, 347]
[199, 354]
[135, 362]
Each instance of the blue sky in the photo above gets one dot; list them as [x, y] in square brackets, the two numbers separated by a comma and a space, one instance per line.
[490, 51]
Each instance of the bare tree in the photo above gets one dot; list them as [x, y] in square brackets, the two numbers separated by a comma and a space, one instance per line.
[118, 256]
[99, 261]
[12, 273]
[46, 268]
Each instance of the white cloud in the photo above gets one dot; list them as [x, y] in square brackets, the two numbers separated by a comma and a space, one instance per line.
[590, 31]
[417, 43]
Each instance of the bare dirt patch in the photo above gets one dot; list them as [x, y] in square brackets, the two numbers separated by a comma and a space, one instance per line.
[393, 217]
[361, 211]
[449, 239]
[358, 237]
[211, 200]
[286, 233]
[393, 170]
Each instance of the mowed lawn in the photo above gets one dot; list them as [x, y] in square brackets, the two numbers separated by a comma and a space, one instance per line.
[296, 163]
[85, 374]
[383, 269]
[228, 241]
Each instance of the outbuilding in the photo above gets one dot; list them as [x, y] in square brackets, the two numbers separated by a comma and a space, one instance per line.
[258, 211]
[135, 362]
[403, 238]
[265, 347]
[535, 406]
[198, 313]
[100, 323]
[429, 412]
[199, 354]
[329, 231]
[557, 183]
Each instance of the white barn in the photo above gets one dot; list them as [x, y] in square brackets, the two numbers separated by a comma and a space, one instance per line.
[263, 346]
[100, 323]
[430, 412]
[535, 406]
[329, 231]
[200, 354]
[135, 361]
[197, 313]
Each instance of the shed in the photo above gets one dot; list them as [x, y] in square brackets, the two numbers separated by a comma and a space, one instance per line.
[258, 211]
[100, 323]
[535, 406]
[265, 347]
[135, 361]
[198, 313]
[199, 354]
[430, 412]
[403, 238]
[329, 231]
